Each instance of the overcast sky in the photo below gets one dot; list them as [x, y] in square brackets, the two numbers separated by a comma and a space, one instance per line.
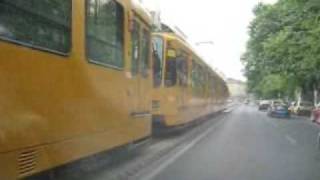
[224, 22]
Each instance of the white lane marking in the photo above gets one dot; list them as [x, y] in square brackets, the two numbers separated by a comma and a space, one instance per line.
[288, 137]
[174, 157]
[291, 140]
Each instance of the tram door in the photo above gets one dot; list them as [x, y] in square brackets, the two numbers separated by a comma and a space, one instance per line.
[145, 70]
[140, 69]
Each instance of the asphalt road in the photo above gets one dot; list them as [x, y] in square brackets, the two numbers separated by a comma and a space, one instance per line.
[246, 145]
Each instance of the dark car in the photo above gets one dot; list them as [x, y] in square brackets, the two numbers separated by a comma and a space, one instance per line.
[279, 110]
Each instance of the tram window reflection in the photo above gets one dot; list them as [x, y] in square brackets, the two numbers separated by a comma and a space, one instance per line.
[105, 32]
[40, 24]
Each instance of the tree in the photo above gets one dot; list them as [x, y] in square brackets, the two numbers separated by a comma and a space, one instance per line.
[284, 43]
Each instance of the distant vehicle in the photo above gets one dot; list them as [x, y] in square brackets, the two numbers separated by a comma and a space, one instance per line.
[291, 106]
[264, 105]
[276, 102]
[303, 108]
[279, 110]
[315, 114]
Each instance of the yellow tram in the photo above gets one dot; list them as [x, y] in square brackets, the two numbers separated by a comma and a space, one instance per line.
[184, 87]
[75, 80]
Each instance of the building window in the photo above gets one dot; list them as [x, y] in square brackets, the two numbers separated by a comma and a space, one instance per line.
[105, 37]
[39, 24]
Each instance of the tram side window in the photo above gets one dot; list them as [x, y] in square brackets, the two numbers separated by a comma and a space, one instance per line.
[205, 83]
[197, 79]
[145, 47]
[39, 24]
[171, 72]
[201, 81]
[157, 44]
[208, 84]
[182, 64]
[212, 90]
[194, 77]
[105, 32]
[135, 48]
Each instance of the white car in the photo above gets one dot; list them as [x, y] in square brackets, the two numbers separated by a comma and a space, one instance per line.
[264, 104]
[302, 108]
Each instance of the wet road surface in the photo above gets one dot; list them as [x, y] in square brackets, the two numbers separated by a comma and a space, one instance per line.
[246, 145]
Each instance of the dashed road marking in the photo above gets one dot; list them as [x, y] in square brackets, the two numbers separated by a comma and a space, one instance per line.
[291, 140]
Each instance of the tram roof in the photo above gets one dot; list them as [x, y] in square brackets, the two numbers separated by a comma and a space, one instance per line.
[141, 11]
[173, 36]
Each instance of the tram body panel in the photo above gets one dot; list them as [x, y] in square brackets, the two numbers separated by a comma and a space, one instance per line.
[56, 108]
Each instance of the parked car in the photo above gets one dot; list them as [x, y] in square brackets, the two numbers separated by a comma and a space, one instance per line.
[279, 109]
[291, 107]
[303, 108]
[315, 115]
[264, 105]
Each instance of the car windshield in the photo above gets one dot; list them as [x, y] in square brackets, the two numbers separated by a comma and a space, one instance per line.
[264, 102]
[281, 107]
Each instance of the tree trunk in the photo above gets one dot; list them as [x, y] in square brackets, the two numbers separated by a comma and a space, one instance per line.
[315, 95]
[298, 94]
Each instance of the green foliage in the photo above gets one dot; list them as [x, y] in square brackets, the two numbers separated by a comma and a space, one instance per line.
[272, 85]
[283, 52]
